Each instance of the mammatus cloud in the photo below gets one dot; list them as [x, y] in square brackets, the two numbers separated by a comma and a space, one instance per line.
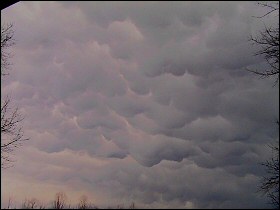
[140, 101]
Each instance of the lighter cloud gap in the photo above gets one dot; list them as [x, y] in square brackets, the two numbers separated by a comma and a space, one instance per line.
[96, 48]
[125, 30]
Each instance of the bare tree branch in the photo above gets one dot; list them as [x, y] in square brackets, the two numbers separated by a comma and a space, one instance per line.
[270, 182]
[11, 129]
[272, 6]
[268, 41]
[60, 200]
[7, 41]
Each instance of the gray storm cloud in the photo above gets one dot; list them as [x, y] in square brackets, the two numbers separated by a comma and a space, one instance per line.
[147, 101]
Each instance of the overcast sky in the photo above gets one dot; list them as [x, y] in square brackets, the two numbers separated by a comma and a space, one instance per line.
[140, 101]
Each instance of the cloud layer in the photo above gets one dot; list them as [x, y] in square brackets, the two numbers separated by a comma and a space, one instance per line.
[140, 101]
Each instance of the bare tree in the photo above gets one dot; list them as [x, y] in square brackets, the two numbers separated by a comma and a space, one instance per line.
[11, 129]
[270, 182]
[9, 206]
[268, 41]
[132, 206]
[32, 203]
[60, 200]
[7, 41]
[83, 203]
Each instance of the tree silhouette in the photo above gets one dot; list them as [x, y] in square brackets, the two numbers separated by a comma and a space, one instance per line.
[268, 40]
[11, 129]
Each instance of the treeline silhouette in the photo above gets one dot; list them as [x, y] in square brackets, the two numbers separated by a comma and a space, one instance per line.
[60, 202]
